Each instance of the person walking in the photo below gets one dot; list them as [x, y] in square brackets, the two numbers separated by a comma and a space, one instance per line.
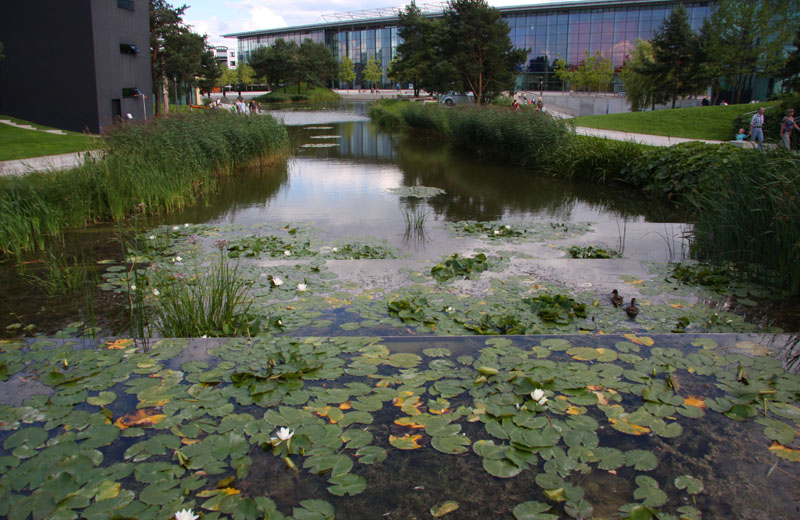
[787, 125]
[756, 127]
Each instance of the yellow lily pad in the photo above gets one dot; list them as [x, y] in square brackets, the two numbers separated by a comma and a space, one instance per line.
[444, 508]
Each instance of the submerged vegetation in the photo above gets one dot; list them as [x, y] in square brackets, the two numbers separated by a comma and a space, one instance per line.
[744, 203]
[153, 167]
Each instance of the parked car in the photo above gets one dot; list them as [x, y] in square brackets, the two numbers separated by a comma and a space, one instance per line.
[457, 98]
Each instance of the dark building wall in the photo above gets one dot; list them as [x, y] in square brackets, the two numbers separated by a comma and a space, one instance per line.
[48, 73]
[117, 71]
[63, 64]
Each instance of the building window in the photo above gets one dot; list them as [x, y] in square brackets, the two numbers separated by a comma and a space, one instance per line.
[125, 4]
[131, 92]
[127, 48]
[233, 64]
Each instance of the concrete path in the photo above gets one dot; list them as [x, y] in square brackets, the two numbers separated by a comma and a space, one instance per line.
[30, 127]
[652, 140]
[43, 164]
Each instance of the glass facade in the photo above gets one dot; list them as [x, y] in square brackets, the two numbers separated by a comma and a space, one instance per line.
[549, 33]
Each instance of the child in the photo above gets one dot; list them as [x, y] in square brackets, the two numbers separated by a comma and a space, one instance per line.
[741, 135]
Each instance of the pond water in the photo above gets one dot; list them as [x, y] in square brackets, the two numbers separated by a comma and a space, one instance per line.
[347, 253]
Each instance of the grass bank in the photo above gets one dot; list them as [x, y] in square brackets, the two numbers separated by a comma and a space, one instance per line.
[694, 123]
[21, 143]
[744, 203]
[305, 93]
[151, 167]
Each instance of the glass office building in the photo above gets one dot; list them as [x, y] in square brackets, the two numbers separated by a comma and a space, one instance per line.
[552, 31]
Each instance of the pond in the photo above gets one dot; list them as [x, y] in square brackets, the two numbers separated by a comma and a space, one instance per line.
[340, 186]
[432, 336]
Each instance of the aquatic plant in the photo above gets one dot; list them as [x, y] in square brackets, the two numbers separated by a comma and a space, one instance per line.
[150, 167]
[457, 266]
[592, 252]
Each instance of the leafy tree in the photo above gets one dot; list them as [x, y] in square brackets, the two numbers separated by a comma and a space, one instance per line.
[210, 71]
[372, 73]
[641, 90]
[347, 72]
[282, 61]
[183, 57]
[165, 20]
[594, 72]
[418, 53]
[260, 62]
[476, 43]
[677, 66]
[748, 37]
[791, 68]
[316, 62]
[243, 75]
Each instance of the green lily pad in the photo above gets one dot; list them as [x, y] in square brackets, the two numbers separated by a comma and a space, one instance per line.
[533, 511]
[451, 443]
[313, 509]
[692, 485]
[371, 455]
[347, 484]
[502, 468]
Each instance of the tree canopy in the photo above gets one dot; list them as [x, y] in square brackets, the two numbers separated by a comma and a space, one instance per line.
[468, 50]
[641, 90]
[594, 72]
[286, 62]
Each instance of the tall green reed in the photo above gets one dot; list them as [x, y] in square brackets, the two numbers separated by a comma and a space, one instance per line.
[159, 165]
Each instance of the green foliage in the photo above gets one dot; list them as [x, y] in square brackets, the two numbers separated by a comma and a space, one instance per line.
[702, 274]
[593, 73]
[411, 312]
[641, 90]
[372, 72]
[306, 93]
[347, 71]
[212, 304]
[592, 252]
[151, 167]
[459, 267]
[677, 57]
[63, 276]
[556, 308]
[386, 113]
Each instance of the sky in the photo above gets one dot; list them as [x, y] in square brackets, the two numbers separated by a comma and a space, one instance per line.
[217, 17]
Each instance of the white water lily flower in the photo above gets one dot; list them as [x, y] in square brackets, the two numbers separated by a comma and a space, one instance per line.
[186, 225]
[287, 253]
[284, 434]
[449, 309]
[507, 226]
[186, 514]
[302, 287]
[133, 287]
[175, 228]
[538, 396]
[335, 250]
[276, 281]
[152, 237]
[155, 292]
[496, 231]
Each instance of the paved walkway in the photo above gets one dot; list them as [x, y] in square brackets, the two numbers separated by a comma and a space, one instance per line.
[652, 140]
[43, 164]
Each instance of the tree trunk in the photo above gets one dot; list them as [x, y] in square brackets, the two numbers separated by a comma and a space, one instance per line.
[164, 96]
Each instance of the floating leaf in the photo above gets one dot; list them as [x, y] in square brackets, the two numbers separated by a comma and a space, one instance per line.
[347, 484]
[444, 508]
[784, 452]
[622, 424]
[697, 402]
[533, 511]
[647, 342]
[405, 442]
[451, 443]
[143, 418]
[314, 509]
[119, 344]
[502, 468]
[692, 485]
[102, 399]
[371, 455]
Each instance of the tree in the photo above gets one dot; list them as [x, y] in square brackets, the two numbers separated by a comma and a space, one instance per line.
[418, 53]
[210, 71]
[316, 62]
[372, 73]
[676, 67]
[347, 71]
[594, 72]
[164, 21]
[641, 90]
[243, 75]
[183, 54]
[260, 62]
[749, 37]
[477, 45]
[791, 68]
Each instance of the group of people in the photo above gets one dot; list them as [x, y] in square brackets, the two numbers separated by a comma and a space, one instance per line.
[756, 133]
[247, 108]
[539, 102]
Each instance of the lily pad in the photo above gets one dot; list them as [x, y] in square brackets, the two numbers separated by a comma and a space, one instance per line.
[347, 484]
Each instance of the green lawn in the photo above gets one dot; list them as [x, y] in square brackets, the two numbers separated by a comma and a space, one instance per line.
[695, 123]
[19, 143]
[314, 95]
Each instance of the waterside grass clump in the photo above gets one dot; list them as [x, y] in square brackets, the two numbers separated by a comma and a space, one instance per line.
[150, 167]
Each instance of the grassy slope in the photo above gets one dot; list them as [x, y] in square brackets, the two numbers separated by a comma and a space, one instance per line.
[19, 143]
[315, 94]
[695, 123]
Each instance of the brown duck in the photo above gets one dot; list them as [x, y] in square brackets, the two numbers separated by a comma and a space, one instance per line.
[616, 299]
[632, 310]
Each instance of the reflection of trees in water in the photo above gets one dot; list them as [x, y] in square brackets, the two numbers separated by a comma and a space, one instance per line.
[486, 191]
[244, 188]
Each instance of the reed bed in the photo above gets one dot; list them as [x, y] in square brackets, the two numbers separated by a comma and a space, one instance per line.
[149, 167]
[747, 215]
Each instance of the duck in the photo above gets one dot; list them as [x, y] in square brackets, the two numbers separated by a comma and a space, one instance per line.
[632, 310]
[616, 299]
